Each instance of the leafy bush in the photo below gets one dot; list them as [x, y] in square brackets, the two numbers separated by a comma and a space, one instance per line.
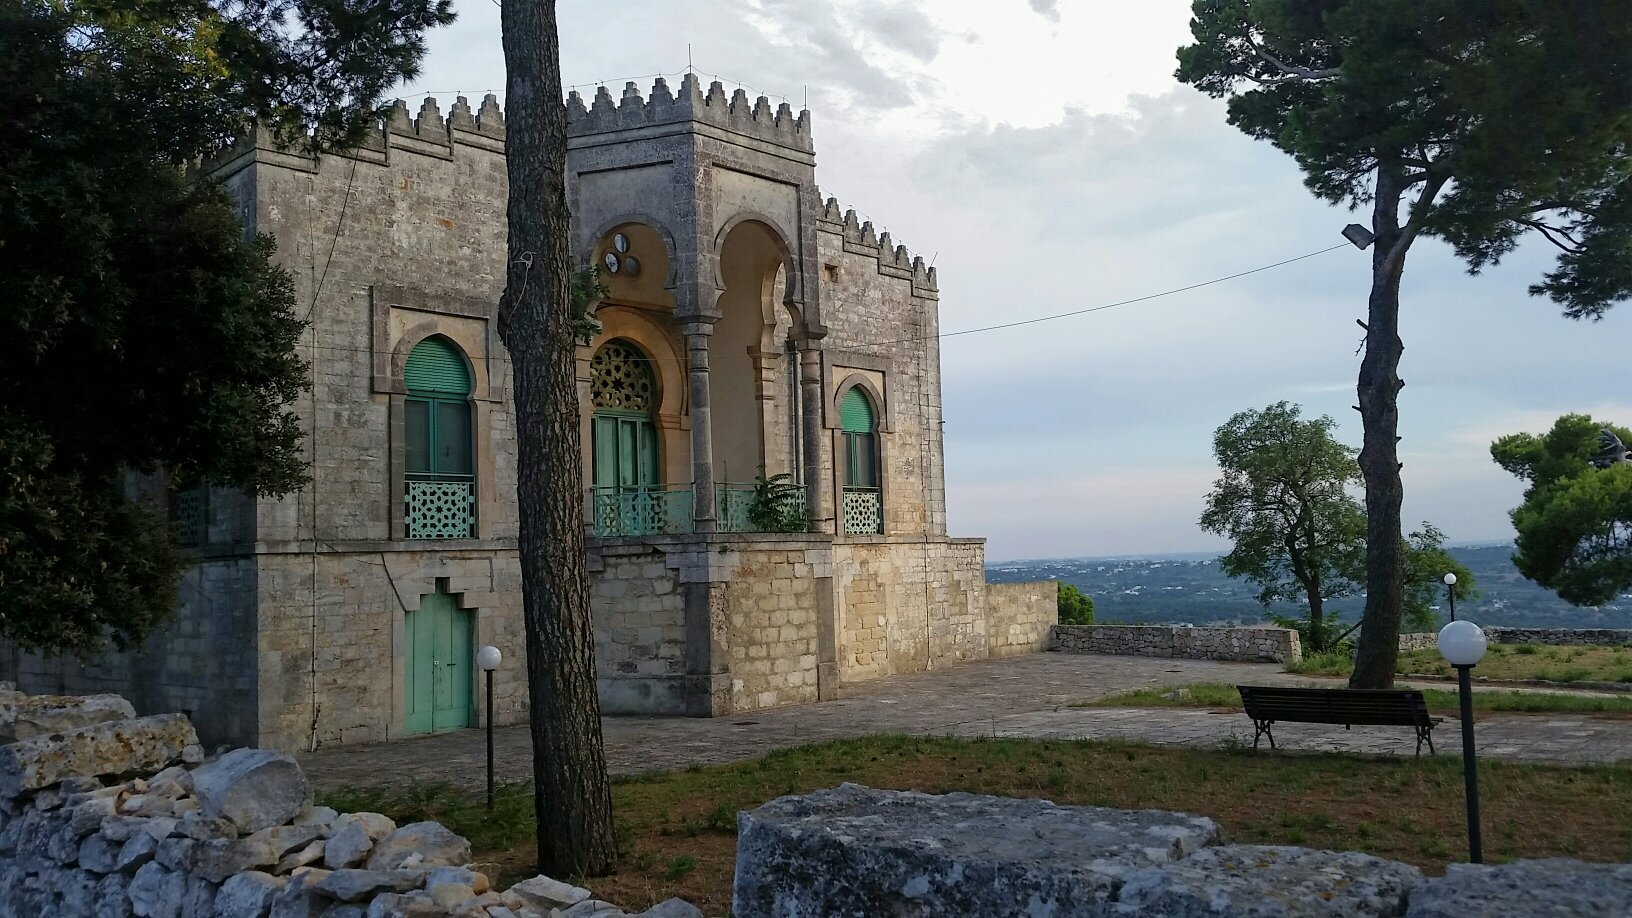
[1076, 608]
[777, 505]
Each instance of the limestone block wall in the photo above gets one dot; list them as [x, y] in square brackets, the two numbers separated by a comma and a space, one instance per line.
[402, 239]
[882, 309]
[772, 604]
[1247, 645]
[906, 605]
[203, 663]
[332, 654]
[1020, 617]
[640, 630]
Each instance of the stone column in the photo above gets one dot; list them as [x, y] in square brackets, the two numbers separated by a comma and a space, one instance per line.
[697, 332]
[810, 389]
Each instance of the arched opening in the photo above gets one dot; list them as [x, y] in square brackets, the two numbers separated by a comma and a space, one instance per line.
[863, 481]
[626, 455]
[439, 468]
[751, 259]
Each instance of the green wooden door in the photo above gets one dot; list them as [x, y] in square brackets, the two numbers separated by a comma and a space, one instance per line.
[440, 662]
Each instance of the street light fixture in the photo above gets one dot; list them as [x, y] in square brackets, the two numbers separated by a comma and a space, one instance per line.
[1450, 593]
[1359, 235]
[1462, 644]
[488, 658]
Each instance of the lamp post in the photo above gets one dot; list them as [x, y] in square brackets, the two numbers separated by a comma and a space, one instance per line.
[488, 659]
[1462, 644]
[1450, 593]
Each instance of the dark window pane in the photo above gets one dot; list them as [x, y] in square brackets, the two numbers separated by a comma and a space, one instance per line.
[453, 454]
[417, 435]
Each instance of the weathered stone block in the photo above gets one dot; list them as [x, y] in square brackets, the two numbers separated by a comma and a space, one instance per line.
[24, 716]
[248, 894]
[546, 893]
[908, 853]
[145, 744]
[1555, 887]
[420, 844]
[254, 788]
[1266, 881]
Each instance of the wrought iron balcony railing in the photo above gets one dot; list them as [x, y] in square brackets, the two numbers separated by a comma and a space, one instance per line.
[649, 510]
[444, 508]
[742, 508]
[863, 511]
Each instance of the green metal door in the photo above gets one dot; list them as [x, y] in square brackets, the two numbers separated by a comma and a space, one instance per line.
[440, 665]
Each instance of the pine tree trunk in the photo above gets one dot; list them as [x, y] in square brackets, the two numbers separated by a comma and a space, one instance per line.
[572, 795]
[1379, 389]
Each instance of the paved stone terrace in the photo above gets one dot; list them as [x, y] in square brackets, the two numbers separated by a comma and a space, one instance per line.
[1026, 696]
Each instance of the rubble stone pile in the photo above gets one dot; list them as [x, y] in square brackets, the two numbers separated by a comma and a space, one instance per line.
[103, 813]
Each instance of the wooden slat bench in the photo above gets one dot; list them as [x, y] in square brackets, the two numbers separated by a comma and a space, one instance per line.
[1368, 707]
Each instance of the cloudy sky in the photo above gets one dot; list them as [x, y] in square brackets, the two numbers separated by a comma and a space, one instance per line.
[1042, 153]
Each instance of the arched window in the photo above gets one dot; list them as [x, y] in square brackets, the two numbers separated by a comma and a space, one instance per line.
[863, 496]
[439, 468]
[629, 497]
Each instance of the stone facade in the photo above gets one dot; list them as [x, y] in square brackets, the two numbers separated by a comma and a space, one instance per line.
[752, 309]
[1246, 645]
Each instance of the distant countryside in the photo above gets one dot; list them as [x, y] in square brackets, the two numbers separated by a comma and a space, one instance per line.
[1190, 588]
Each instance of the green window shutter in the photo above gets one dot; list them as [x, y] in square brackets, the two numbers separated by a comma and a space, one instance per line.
[856, 412]
[435, 365]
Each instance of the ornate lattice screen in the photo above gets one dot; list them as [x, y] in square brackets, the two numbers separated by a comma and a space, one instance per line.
[621, 378]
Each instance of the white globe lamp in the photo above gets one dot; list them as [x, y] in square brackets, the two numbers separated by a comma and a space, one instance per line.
[488, 658]
[1462, 643]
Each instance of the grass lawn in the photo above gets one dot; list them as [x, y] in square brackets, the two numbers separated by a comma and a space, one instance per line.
[1502, 661]
[677, 831]
[1223, 695]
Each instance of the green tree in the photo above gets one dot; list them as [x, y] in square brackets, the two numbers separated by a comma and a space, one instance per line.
[1485, 120]
[142, 330]
[1426, 564]
[1575, 525]
[1283, 500]
[1075, 606]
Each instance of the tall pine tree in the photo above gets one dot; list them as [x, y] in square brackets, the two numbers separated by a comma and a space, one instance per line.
[1474, 121]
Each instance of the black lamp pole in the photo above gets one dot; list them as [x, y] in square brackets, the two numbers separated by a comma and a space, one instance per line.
[490, 741]
[1450, 596]
[1470, 771]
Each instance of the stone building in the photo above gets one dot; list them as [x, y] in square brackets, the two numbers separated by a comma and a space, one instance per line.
[751, 329]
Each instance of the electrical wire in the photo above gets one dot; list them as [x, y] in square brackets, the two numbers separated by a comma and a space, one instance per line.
[988, 328]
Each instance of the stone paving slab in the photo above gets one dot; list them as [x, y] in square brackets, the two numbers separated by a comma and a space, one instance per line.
[1024, 696]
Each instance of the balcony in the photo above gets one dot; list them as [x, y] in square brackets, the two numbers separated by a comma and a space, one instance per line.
[863, 511]
[651, 510]
[444, 508]
[667, 510]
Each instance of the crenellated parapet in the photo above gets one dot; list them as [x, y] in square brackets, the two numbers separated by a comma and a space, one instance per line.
[429, 133]
[861, 238]
[736, 113]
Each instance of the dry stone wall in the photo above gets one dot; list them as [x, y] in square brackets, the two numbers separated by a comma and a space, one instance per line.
[105, 814]
[1250, 645]
[1502, 634]
[854, 850]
